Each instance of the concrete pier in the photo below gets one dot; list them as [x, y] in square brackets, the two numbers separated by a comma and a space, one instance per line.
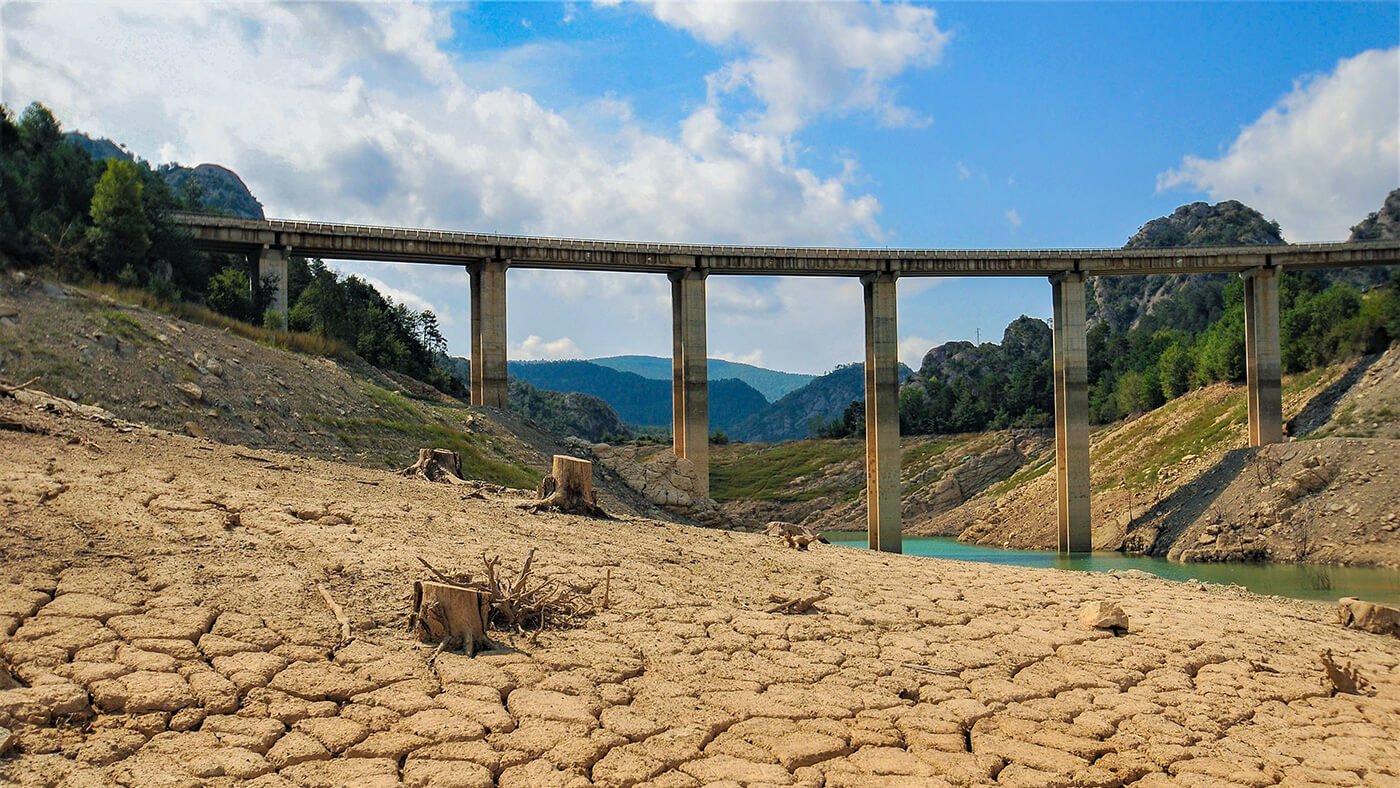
[489, 332]
[1071, 414]
[690, 388]
[1263, 364]
[272, 261]
[882, 454]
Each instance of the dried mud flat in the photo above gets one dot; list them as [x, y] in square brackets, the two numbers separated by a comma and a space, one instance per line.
[159, 609]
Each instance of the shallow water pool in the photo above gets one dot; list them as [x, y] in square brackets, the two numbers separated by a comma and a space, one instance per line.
[1301, 581]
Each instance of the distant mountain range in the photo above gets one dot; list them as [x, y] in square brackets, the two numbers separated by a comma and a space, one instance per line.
[639, 401]
[771, 383]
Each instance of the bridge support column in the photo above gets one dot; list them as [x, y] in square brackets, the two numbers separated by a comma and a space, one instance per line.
[690, 387]
[1071, 414]
[882, 501]
[489, 333]
[1262, 356]
[272, 261]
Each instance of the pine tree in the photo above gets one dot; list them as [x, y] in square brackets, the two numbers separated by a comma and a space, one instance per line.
[121, 230]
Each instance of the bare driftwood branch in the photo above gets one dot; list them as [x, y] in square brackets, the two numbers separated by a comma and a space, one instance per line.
[339, 613]
[794, 605]
[931, 669]
[10, 388]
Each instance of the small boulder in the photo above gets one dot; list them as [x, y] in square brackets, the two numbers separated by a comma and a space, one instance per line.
[1357, 614]
[1104, 615]
[191, 390]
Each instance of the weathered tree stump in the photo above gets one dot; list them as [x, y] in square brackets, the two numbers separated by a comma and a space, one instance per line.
[568, 489]
[436, 465]
[450, 614]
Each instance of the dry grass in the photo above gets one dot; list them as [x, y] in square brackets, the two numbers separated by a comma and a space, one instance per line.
[295, 341]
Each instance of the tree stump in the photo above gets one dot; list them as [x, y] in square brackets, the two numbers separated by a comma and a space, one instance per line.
[436, 465]
[450, 614]
[568, 489]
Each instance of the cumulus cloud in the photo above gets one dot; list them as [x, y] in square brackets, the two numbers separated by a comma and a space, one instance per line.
[1320, 159]
[377, 122]
[534, 348]
[384, 122]
[802, 60]
[913, 349]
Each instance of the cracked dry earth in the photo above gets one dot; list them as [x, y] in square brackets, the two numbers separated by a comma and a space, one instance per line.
[160, 613]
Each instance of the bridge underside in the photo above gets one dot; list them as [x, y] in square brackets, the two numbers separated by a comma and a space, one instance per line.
[487, 258]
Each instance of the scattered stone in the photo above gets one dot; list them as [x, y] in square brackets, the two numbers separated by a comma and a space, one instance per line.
[1104, 615]
[191, 390]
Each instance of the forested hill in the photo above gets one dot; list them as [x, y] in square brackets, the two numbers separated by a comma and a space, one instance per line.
[209, 185]
[1156, 337]
[812, 409]
[642, 402]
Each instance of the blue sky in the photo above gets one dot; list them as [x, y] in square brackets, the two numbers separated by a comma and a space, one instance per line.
[995, 125]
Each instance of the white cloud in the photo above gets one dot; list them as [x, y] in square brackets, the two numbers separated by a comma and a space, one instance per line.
[378, 123]
[754, 357]
[963, 172]
[802, 60]
[534, 348]
[1013, 217]
[913, 349]
[1320, 159]
[382, 122]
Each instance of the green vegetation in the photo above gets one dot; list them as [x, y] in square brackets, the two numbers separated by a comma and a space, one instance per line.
[126, 326]
[769, 472]
[297, 342]
[1152, 338]
[361, 434]
[103, 221]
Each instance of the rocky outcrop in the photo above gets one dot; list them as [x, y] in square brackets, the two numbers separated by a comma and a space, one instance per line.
[1381, 225]
[662, 478]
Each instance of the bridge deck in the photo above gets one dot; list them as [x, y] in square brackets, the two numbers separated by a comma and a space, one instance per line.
[395, 244]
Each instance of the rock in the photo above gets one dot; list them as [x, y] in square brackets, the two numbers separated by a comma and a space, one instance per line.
[191, 390]
[149, 404]
[6, 739]
[1357, 614]
[195, 431]
[1104, 615]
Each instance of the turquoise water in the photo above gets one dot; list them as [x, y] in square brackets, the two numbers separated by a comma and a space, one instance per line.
[1293, 580]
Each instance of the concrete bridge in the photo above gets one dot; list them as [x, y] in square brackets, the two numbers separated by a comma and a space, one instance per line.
[487, 257]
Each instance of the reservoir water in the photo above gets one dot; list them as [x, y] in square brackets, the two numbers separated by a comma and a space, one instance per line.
[1301, 581]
